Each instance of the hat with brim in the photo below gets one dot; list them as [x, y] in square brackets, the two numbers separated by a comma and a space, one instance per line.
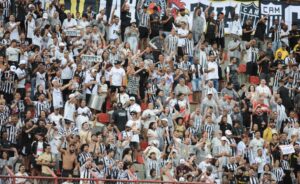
[23, 62]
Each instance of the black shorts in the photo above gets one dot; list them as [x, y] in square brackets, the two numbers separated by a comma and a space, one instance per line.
[134, 145]
[114, 88]
[144, 32]
[221, 42]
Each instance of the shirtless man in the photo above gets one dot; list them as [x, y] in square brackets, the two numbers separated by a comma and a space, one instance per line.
[69, 160]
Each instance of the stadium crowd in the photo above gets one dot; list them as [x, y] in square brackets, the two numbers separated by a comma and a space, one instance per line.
[155, 97]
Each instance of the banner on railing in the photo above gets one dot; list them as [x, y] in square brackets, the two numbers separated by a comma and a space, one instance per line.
[73, 32]
[91, 58]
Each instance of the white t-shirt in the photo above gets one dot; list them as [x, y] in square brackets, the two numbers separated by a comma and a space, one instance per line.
[21, 73]
[135, 107]
[67, 72]
[70, 109]
[134, 125]
[182, 32]
[12, 54]
[117, 75]
[214, 74]
[14, 35]
[263, 89]
[30, 28]
[88, 79]
[69, 24]
[55, 118]
[57, 98]
[113, 32]
[41, 79]
[260, 161]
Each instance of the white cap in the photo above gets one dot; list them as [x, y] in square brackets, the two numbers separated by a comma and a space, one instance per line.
[72, 95]
[228, 132]
[61, 44]
[164, 119]
[223, 138]
[209, 156]
[132, 21]
[132, 98]
[182, 161]
[23, 62]
[209, 92]
[31, 6]
[13, 68]
[45, 15]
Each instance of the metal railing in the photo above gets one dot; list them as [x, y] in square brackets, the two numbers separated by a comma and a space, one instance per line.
[11, 178]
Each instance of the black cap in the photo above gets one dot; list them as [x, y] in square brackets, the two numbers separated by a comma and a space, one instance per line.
[118, 62]
[67, 121]
[145, 6]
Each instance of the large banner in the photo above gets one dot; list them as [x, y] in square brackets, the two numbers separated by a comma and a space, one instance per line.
[289, 13]
[245, 9]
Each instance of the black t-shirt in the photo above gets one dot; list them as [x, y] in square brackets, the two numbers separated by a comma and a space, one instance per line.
[211, 27]
[156, 25]
[125, 18]
[260, 31]
[295, 35]
[120, 118]
[168, 25]
[265, 66]
[242, 179]
[246, 36]
[143, 76]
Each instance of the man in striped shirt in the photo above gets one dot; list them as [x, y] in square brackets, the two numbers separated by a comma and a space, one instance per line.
[84, 156]
[144, 26]
[189, 46]
[171, 43]
[276, 30]
[11, 129]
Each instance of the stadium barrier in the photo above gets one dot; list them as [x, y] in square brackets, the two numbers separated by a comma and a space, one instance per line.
[11, 178]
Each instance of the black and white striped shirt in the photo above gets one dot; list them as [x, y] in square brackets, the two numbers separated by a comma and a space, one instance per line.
[279, 173]
[86, 172]
[152, 164]
[172, 43]
[209, 129]
[116, 172]
[189, 47]
[4, 115]
[82, 157]
[184, 65]
[291, 86]
[285, 164]
[276, 33]
[296, 77]
[144, 19]
[8, 83]
[254, 180]
[278, 76]
[107, 163]
[254, 56]
[41, 106]
[231, 167]
[11, 131]
[6, 7]
[198, 72]
[221, 29]
[63, 131]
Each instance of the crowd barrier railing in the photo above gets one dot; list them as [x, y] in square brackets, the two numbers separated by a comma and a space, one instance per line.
[11, 178]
